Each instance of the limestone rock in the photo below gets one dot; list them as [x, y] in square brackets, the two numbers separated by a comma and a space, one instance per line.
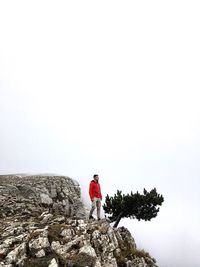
[40, 242]
[43, 224]
[53, 263]
[17, 254]
[40, 253]
[26, 195]
[86, 256]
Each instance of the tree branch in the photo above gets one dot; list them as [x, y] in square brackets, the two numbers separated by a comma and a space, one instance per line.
[118, 219]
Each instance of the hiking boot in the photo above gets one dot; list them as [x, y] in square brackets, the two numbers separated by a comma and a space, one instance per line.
[99, 219]
[91, 217]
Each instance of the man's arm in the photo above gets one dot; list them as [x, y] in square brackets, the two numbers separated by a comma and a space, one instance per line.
[91, 191]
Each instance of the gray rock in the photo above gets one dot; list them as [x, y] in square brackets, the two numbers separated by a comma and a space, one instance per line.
[40, 253]
[26, 195]
[47, 218]
[86, 256]
[46, 199]
[62, 250]
[39, 243]
[53, 263]
[17, 254]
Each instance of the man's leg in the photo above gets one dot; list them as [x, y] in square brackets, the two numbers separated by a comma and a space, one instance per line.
[98, 203]
[92, 208]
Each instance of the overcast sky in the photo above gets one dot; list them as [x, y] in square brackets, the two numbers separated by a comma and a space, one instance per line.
[109, 87]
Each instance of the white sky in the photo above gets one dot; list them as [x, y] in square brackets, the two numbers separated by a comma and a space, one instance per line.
[112, 88]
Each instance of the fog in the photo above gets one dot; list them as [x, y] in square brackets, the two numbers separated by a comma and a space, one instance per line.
[110, 88]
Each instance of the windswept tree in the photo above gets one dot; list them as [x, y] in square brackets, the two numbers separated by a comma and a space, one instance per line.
[135, 206]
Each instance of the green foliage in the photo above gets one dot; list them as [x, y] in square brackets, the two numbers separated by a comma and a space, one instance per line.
[137, 206]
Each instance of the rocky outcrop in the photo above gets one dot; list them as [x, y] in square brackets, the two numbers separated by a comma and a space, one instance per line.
[25, 195]
[53, 239]
[62, 242]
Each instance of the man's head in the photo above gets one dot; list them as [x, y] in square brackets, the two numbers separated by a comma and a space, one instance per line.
[96, 177]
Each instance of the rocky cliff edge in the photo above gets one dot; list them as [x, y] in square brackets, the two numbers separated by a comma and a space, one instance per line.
[44, 224]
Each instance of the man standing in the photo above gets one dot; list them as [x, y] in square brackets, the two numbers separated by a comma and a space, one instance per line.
[95, 196]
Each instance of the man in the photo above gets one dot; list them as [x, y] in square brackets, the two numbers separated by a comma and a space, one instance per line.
[95, 196]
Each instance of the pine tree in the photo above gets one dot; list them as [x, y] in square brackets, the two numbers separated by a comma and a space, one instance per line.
[135, 206]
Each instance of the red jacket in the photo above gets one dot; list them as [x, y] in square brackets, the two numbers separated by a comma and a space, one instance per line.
[95, 190]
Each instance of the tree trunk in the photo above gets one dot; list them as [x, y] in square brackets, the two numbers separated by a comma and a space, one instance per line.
[118, 220]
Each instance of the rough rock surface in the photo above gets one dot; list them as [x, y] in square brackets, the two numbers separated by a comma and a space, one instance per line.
[26, 195]
[52, 239]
